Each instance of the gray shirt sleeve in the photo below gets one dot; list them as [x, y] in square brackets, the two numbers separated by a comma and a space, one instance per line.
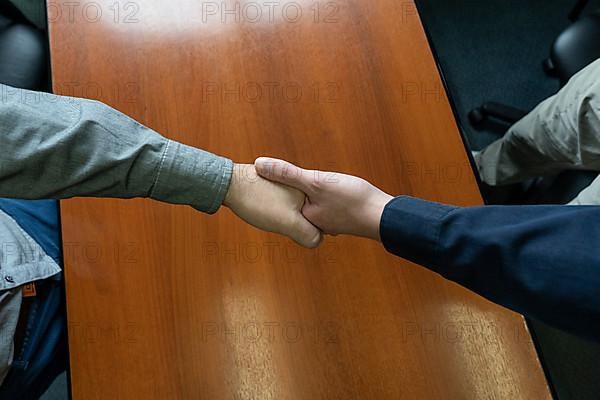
[56, 147]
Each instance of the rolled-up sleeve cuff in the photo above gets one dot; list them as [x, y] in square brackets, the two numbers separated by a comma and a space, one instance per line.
[191, 176]
[410, 228]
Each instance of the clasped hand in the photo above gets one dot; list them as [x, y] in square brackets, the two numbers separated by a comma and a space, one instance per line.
[276, 196]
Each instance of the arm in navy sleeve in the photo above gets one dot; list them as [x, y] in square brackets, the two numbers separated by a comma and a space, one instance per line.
[541, 261]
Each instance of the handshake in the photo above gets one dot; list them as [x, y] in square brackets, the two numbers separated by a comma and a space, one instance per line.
[276, 196]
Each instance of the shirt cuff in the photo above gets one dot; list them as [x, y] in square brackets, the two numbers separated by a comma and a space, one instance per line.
[191, 176]
[410, 229]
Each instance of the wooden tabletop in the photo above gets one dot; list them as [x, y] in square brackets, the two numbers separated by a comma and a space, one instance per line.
[168, 303]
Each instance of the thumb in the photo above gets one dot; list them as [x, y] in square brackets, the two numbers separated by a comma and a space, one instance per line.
[305, 233]
[283, 172]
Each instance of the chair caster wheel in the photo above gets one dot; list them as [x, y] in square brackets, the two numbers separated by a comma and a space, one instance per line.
[476, 117]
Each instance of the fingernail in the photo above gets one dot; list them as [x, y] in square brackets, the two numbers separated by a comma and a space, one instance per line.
[316, 241]
[258, 164]
[262, 164]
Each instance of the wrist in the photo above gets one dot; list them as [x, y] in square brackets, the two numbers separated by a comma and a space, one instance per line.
[234, 186]
[377, 206]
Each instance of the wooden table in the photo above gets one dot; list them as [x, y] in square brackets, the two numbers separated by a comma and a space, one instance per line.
[167, 303]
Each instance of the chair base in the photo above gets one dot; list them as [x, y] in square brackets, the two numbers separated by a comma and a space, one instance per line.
[501, 112]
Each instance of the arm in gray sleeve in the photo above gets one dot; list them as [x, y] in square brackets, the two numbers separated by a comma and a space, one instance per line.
[61, 147]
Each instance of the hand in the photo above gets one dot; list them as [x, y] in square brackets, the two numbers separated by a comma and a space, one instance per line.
[336, 203]
[270, 206]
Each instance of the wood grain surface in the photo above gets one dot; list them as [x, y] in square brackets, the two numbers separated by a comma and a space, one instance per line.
[168, 303]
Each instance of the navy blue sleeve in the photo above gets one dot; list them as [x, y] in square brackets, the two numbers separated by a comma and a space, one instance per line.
[541, 261]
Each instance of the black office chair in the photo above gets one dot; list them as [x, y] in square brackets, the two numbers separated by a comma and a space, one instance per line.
[577, 47]
[23, 51]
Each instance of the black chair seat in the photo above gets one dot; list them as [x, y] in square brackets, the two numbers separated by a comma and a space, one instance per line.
[23, 55]
[577, 47]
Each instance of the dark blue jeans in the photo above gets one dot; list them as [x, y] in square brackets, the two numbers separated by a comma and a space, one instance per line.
[43, 354]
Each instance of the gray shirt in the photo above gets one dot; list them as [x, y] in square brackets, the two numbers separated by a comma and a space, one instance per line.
[54, 147]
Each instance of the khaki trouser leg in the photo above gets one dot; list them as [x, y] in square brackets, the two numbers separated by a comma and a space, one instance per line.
[563, 132]
[590, 196]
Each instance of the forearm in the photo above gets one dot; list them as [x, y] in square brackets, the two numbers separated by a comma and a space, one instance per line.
[541, 261]
[59, 147]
